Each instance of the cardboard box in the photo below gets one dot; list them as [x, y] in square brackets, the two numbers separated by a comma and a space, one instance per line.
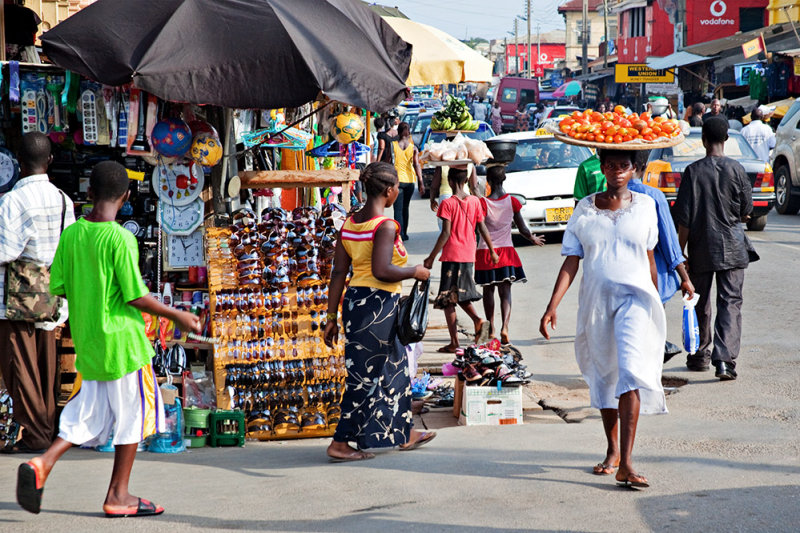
[458, 396]
[488, 406]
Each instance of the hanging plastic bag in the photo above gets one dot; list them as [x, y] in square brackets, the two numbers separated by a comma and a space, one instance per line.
[412, 316]
[171, 441]
[691, 330]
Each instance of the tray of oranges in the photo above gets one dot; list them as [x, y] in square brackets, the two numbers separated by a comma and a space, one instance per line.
[618, 130]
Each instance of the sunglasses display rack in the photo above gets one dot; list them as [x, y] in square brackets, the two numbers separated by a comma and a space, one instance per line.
[268, 281]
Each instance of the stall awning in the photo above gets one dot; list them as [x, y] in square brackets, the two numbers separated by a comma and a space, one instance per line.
[624, 5]
[716, 46]
[596, 75]
[438, 57]
[678, 59]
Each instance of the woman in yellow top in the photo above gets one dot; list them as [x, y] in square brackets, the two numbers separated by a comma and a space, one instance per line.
[409, 171]
[376, 406]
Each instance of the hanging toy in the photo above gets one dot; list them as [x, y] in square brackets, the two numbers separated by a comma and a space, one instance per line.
[171, 137]
[206, 150]
[347, 128]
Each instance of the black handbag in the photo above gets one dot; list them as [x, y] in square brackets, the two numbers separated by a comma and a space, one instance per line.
[412, 316]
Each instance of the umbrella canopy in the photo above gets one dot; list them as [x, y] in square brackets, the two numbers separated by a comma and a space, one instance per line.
[439, 57]
[262, 54]
[571, 88]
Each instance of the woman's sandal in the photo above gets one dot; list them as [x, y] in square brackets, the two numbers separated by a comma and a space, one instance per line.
[633, 480]
[426, 437]
[602, 469]
[447, 349]
[355, 455]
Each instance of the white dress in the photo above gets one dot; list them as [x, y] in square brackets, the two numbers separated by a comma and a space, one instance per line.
[619, 343]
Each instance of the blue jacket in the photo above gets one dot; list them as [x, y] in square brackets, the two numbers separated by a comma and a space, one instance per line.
[668, 254]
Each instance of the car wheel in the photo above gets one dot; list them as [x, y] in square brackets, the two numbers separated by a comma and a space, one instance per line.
[757, 223]
[785, 203]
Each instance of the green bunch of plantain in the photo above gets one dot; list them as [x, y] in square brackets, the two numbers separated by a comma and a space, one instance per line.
[454, 116]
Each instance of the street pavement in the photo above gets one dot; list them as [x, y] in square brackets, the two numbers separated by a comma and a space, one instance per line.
[724, 459]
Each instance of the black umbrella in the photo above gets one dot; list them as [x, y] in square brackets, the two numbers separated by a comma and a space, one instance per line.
[263, 54]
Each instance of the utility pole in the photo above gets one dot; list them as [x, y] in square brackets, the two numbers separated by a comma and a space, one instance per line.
[530, 59]
[516, 45]
[584, 31]
[605, 32]
[505, 56]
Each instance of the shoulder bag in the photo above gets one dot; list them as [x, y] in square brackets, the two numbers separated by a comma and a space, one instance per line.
[412, 315]
[27, 296]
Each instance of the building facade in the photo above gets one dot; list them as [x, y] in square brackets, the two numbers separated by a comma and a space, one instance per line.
[572, 11]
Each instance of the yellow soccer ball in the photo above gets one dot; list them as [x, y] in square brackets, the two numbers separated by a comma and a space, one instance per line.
[206, 150]
[347, 128]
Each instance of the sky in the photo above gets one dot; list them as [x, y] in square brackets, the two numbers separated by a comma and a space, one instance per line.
[490, 19]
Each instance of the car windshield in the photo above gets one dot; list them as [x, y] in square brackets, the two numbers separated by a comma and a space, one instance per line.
[692, 148]
[534, 154]
[421, 124]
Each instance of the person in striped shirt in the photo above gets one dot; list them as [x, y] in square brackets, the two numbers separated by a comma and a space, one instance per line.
[31, 217]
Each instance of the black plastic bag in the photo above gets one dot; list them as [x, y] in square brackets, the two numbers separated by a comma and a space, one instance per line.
[412, 316]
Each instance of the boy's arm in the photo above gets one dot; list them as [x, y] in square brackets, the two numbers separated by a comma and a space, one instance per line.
[443, 236]
[186, 321]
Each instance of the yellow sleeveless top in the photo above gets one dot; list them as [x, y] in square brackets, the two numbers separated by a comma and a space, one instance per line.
[404, 162]
[357, 241]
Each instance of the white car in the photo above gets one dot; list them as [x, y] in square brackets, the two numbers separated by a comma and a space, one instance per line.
[542, 178]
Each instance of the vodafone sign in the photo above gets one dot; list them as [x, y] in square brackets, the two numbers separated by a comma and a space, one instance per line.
[714, 19]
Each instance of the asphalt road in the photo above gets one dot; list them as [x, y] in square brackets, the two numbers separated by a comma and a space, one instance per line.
[724, 459]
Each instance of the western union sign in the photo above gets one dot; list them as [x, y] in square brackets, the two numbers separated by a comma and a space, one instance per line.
[641, 73]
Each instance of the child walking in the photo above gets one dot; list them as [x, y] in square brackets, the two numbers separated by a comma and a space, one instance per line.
[460, 214]
[499, 210]
[96, 267]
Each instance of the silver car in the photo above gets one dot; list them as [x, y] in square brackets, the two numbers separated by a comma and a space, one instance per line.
[786, 162]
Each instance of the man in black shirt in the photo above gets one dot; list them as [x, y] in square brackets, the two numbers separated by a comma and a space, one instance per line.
[715, 196]
[714, 109]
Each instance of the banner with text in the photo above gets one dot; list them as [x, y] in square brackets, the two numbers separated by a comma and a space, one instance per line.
[641, 73]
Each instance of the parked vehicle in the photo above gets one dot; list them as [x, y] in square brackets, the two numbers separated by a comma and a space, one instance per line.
[420, 127]
[513, 91]
[483, 132]
[666, 165]
[786, 162]
[542, 178]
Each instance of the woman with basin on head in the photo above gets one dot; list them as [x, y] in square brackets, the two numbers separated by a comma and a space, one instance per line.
[376, 405]
[619, 343]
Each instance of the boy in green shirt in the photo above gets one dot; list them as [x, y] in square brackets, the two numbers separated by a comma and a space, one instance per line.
[589, 179]
[96, 267]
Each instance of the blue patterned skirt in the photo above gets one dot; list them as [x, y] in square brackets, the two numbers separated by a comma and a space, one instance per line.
[376, 405]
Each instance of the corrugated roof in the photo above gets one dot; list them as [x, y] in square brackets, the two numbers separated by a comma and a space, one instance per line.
[716, 46]
[678, 59]
[577, 5]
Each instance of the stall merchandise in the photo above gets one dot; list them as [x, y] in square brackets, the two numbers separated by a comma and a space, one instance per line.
[268, 279]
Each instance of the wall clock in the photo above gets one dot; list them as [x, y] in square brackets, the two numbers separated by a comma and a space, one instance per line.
[181, 219]
[178, 183]
[183, 251]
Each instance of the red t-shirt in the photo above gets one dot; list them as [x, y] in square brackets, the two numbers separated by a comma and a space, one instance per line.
[463, 215]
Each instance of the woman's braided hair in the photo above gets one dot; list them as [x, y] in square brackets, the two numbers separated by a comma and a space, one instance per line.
[377, 177]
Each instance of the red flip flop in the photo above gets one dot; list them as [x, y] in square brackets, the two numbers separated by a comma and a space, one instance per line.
[29, 488]
[145, 508]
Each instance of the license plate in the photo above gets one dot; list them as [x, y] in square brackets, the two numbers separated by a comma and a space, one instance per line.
[557, 214]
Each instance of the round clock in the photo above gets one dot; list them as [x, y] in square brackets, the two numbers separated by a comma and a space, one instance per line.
[132, 226]
[183, 219]
[178, 183]
[9, 170]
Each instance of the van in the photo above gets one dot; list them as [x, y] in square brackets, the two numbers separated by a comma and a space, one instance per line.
[513, 91]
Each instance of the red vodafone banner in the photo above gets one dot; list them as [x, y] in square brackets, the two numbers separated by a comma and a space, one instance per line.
[708, 20]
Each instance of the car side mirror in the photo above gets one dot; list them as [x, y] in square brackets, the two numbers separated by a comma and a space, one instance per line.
[480, 170]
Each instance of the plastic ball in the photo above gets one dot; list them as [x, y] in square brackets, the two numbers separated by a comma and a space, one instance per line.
[347, 128]
[200, 127]
[206, 150]
[171, 137]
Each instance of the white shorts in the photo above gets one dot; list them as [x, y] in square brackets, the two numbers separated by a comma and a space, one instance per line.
[130, 406]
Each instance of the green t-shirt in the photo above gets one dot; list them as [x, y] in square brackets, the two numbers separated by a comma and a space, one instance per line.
[97, 267]
[589, 179]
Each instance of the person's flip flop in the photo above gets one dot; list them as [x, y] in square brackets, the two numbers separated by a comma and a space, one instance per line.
[425, 439]
[145, 508]
[602, 469]
[29, 488]
[634, 481]
[482, 332]
[446, 349]
[355, 456]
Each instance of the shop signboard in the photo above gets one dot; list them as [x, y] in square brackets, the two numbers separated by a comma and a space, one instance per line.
[641, 73]
[709, 20]
[741, 72]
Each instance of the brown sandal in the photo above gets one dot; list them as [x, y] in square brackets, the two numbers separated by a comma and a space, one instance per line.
[602, 469]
